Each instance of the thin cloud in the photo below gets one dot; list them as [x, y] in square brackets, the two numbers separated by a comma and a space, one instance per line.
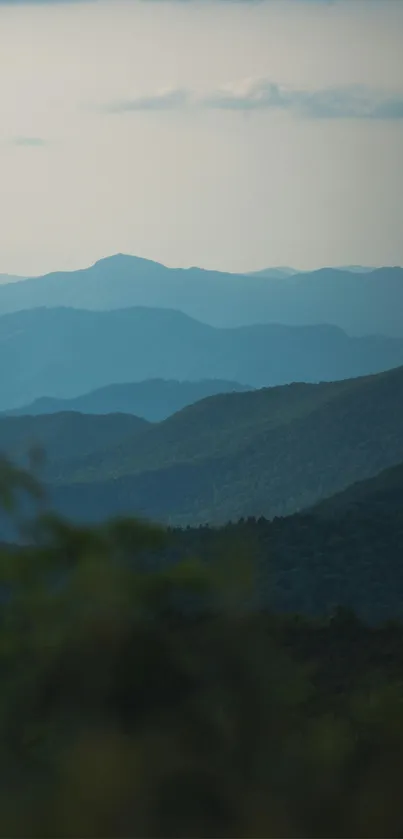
[30, 142]
[350, 102]
[77, 2]
[44, 2]
[166, 100]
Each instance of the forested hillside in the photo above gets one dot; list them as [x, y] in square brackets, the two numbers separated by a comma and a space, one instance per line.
[66, 435]
[382, 493]
[269, 452]
[336, 555]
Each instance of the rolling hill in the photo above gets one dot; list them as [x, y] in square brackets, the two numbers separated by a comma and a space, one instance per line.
[64, 353]
[311, 563]
[344, 552]
[257, 455]
[360, 303]
[270, 452]
[153, 399]
[384, 492]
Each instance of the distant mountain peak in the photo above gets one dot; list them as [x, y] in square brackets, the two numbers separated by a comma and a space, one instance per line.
[125, 259]
[330, 295]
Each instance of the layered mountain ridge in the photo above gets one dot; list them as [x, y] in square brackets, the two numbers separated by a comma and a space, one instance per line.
[361, 302]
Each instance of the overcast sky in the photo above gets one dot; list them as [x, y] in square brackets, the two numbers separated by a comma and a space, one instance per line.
[223, 134]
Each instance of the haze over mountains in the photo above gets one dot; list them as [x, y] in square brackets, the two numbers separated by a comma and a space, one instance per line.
[285, 271]
[268, 452]
[279, 427]
[360, 303]
[194, 397]
[356, 269]
[273, 450]
[64, 352]
[9, 278]
[265, 418]
[153, 399]
[66, 435]
[274, 273]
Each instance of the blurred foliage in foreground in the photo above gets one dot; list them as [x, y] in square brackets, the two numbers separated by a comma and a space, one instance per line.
[153, 703]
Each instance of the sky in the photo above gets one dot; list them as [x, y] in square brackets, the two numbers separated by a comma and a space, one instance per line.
[229, 135]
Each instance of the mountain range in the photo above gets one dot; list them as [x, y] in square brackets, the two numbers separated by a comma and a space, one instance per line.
[267, 452]
[282, 272]
[64, 353]
[272, 399]
[310, 474]
[358, 302]
[344, 551]
[153, 399]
